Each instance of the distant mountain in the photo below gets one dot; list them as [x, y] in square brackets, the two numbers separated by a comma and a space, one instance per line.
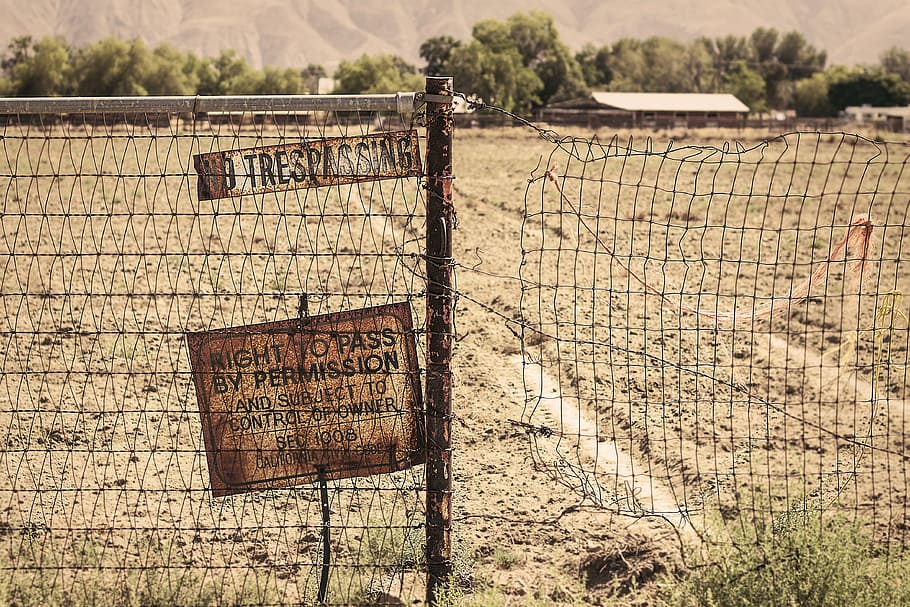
[298, 32]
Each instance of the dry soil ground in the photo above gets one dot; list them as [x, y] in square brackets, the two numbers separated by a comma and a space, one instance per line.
[652, 410]
[652, 406]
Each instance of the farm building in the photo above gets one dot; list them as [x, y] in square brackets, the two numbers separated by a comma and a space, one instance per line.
[649, 110]
[896, 118]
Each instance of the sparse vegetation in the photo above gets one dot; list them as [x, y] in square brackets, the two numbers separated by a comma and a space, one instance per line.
[391, 548]
[505, 558]
[88, 580]
[824, 562]
[494, 596]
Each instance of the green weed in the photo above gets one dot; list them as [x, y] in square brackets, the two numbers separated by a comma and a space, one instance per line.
[823, 563]
[504, 558]
[83, 575]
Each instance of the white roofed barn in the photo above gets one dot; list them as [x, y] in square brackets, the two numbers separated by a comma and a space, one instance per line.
[649, 110]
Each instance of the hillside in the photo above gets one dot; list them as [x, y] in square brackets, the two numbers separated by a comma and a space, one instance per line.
[270, 32]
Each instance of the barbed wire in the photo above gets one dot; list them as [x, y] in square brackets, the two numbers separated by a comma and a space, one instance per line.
[108, 260]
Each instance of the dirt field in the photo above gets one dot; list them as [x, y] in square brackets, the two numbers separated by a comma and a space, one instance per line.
[650, 410]
[655, 410]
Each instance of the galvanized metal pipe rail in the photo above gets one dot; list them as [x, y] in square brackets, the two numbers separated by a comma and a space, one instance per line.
[403, 103]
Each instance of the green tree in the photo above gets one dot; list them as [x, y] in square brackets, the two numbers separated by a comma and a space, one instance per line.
[499, 78]
[17, 51]
[764, 41]
[595, 67]
[628, 65]
[723, 53]
[171, 72]
[377, 74]
[37, 69]
[799, 57]
[112, 67]
[280, 81]
[437, 51]
[514, 49]
[896, 60]
[747, 85]
[230, 74]
[535, 37]
[699, 67]
[868, 86]
[810, 97]
[226, 74]
[659, 64]
[561, 76]
[311, 75]
[667, 67]
[782, 60]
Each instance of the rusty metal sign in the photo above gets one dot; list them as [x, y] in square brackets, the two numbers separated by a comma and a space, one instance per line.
[308, 164]
[283, 403]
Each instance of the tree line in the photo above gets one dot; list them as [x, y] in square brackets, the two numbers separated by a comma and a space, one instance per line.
[110, 67]
[519, 63]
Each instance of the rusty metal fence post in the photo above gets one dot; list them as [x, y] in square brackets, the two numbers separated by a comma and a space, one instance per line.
[440, 333]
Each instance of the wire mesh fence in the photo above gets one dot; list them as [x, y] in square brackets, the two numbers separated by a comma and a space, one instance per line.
[716, 335]
[709, 335]
[109, 259]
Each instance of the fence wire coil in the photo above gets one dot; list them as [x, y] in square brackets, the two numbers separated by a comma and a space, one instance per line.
[714, 333]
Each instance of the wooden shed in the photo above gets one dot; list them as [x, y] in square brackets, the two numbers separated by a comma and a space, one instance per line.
[649, 110]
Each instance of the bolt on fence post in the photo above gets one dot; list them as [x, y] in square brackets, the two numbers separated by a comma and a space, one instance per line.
[440, 334]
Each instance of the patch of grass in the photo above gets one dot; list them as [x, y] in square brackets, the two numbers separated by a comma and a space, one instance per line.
[809, 562]
[45, 578]
[493, 595]
[395, 547]
[388, 555]
[505, 558]
[125, 347]
[384, 553]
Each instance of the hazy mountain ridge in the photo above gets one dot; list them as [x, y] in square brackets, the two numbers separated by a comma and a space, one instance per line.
[271, 32]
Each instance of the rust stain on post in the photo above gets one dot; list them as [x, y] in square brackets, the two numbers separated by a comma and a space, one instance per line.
[309, 164]
[283, 402]
[440, 334]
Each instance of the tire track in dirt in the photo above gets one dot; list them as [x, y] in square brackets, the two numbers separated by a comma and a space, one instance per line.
[638, 492]
[829, 379]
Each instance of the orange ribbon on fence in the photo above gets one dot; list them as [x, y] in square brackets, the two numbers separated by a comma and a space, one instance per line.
[856, 242]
